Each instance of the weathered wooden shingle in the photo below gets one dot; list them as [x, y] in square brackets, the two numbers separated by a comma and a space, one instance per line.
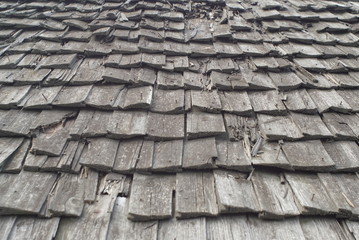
[195, 195]
[313, 228]
[206, 101]
[16, 123]
[299, 101]
[345, 154]
[271, 154]
[97, 125]
[7, 147]
[167, 156]
[169, 80]
[235, 102]
[72, 96]
[168, 101]
[267, 102]
[126, 124]
[311, 126]
[342, 126]
[200, 153]
[165, 126]
[151, 197]
[103, 97]
[127, 156]
[200, 124]
[14, 163]
[11, 96]
[231, 155]
[329, 100]
[135, 98]
[184, 229]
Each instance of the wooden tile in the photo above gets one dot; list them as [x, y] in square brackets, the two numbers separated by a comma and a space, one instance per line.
[11, 96]
[135, 98]
[207, 101]
[200, 124]
[8, 146]
[169, 80]
[267, 102]
[271, 154]
[103, 97]
[14, 164]
[299, 101]
[168, 101]
[127, 124]
[127, 156]
[236, 102]
[231, 155]
[314, 227]
[41, 98]
[200, 153]
[17, 123]
[329, 100]
[167, 156]
[72, 96]
[345, 154]
[185, 229]
[165, 127]
[228, 227]
[311, 126]
[97, 125]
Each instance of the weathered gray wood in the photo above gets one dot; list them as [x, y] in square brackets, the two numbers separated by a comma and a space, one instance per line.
[59, 61]
[151, 197]
[100, 154]
[239, 127]
[353, 228]
[51, 141]
[256, 80]
[281, 230]
[194, 80]
[200, 153]
[114, 75]
[27, 194]
[278, 127]
[34, 228]
[308, 155]
[127, 124]
[72, 96]
[299, 101]
[34, 162]
[231, 155]
[168, 101]
[311, 126]
[195, 195]
[285, 80]
[10, 61]
[207, 101]
[143, 76]
[7, 75]
[351, 97]
[221, 64]
[90, 182]
[167, 156]
[342, 126]
[185, 229]
[169, 80]
[345, 154]
[145, 158]
[90, 71]
[275, 197]
[329, 99]
[16, 123]
[153, 60]
[234, 192]
[228, 227]
[310, 195]
[14, 164]
[225, 49]
[135, 98]
[224, 81]
[11, 96]
[40, 98]
[67, 197]
[121, 228]
[200, 124]
[103, 97]
[49, 118]
[6, 224]
[165, 126]
[267, 102]
[96, 217]
[236, 102]
[8, 146]
[97, 125]
[83, 119]
[127, 156]
[271, 154]
[343, 189]
[322, 229]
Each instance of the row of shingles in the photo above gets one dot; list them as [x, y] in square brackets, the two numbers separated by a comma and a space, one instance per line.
[272, 195]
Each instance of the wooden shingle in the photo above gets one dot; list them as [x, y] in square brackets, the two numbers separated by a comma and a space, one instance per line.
[165, 126]
[206, 101]
[167, 156]
[103, 97]
[127, 156]
[200, 153]
[267, 102]
[126, 124]
[235, 102]
[72, 96]
[311, 126]
[168, 101]
[299, 101]
[200, 124]
[231, 155]
[345, 154]
[329, 100]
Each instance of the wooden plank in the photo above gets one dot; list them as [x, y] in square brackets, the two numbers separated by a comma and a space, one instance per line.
[342, 189]
[236, 102]
[308, 155]
[195, 195]
[224, 81]
[41, 98]
[311, 126]
[14, 164]
[278, 127]
[271, 154]
[11, 96]
[345, 155]
[185, 229]
[121, 228]
[267, 102]
[34, 228]
[300, 101]
[165, 126]
[351, 97]
[200, 124]
[167, 156]
[90, 71]
[256, 80]
[99, 154]
[59, 61]
[194, 80]
[103, 96]
[239, 127]
[353, 228]
[168, 101]
[329, 100]
[135, 98]
[145, 159]
[28, 192]
[90, 182]
[97, 125]
[114, 75]
[200, 153]
[50, 118]
[169, 80]
[275, 197]
[143, 76]
[74, 96]
[313, 228]
[7, 147]
[6, 224]
[281, 230]
[34, 162]
[16, 123]
[127, 156]
[151, 197]
[342, 126]
[67, 197]
[235, 192]
[83, 119]
[96, 217]
[285, 80]
[207, 101]
[228, 227]
[231, 155]
[127, 124]
[310, 195]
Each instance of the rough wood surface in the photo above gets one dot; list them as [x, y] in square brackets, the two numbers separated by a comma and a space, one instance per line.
[127, 156]
[6, 224]
[275, 197]
[15, 162]
[185, 229]
[74, 96]
[345, 154]
[7, 147]
[168, 80]
[236, 102]
[97, 125]
[200, 153]
[322, 229]
[200, 124]
[300, 101]
[310, 195]
[168, 101]
[126, 124]
[267, 102]
[206, 101]
[195, 195]
[329, 99]
[271, 154]
[342, 126]
[151, 197]
[311, 126]
[228, 227]
[231, 155]
[235, 192]
[34, 162]
[103, 97]
[16, 123]
[135, 98]
[167, 156]
[145, 159]
[165, 126]
[11, 96]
